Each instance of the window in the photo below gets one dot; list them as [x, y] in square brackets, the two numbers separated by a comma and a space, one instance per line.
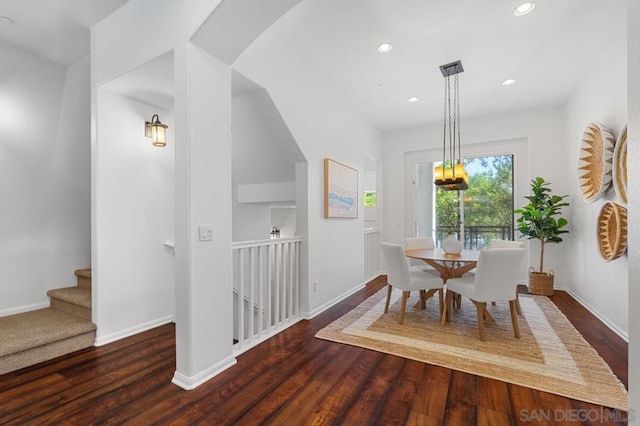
[481, 213]
[369, 199]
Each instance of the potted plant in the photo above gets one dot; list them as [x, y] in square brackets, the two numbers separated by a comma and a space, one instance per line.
[540, 219]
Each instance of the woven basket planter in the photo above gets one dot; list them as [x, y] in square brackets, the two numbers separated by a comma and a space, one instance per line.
[620, 166]
[541, 282]
[595, 162]
[612, 231]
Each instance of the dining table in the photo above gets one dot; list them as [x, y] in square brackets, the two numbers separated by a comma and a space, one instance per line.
[449, 265]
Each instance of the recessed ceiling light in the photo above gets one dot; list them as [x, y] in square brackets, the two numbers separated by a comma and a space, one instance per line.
[524, 8]
[508, 82]
[6, 20]
[413, 99]
[385, 48]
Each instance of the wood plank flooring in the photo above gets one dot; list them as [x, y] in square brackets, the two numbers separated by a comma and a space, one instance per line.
[292, 379]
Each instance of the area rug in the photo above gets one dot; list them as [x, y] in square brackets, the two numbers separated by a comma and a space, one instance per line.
[550, 355]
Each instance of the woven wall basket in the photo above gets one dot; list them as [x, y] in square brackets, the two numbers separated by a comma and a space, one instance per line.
[620, 166]
[595, 161]
[612, 230]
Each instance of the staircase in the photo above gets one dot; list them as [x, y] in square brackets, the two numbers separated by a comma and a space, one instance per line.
[64, 327]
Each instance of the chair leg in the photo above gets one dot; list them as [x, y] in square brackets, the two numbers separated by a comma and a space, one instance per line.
[386, 306]
[441, 300]
[481, 307]
[423, 299]
[447, 307]
[518, 309]
[405, 296]
[513, 306]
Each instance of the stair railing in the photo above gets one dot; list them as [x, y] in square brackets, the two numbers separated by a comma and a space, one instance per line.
[266, 289]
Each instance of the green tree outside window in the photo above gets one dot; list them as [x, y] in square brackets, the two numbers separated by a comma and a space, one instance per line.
[369, 199]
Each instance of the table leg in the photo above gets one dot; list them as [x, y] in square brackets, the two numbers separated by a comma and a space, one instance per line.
[446, 309]
[488, 315]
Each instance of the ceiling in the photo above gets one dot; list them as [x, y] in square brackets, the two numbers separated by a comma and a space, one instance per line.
[152, 83]
[547, 51]
[57, 30]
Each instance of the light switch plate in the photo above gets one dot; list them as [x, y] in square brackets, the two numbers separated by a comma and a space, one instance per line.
[206, 232]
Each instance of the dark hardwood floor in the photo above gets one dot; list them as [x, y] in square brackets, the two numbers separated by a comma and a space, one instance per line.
[291, 379]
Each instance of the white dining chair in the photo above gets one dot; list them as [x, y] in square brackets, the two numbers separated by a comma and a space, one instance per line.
[419, 243]
[494, 280]
[401, 277]
[498, 244]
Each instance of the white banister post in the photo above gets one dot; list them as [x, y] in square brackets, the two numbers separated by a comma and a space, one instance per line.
[260, 294]
[241, 300]
[252, 281]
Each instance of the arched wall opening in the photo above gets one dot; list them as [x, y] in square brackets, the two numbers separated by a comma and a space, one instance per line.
[134, 227]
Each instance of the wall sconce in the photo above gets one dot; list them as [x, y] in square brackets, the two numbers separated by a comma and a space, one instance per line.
[156, 131]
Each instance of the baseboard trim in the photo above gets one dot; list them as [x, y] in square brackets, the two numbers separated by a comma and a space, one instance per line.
[23, 309]
[338, 299]
[192, 382]
[623, 335]
[109, 338]
[237, 350]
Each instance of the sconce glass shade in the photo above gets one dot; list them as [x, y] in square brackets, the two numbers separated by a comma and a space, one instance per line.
[156, 131]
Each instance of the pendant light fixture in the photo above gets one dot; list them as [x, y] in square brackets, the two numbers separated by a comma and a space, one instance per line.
[155, 130]
[451, 175]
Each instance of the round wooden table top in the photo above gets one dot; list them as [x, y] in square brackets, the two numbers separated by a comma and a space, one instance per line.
[440, 255]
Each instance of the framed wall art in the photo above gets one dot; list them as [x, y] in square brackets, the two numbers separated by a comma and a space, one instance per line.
[340, 190]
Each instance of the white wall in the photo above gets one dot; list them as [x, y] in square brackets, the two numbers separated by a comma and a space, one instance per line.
[323, 126]
[44, 175]
[262, 146]
[633, 160]
[264, 158]
[135, 181]
[284, 218]
[204, 323]
[601, 97]
[251, 222]
[543, 131]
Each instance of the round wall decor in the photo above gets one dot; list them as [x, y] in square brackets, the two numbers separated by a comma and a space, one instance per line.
[612, 230]
[620, 166]
[595, 161]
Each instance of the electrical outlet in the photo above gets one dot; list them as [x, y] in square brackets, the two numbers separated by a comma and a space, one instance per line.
[315, 286]
[206, 232]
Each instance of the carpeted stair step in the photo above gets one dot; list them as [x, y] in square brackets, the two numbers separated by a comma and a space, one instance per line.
[32, 337]
[84, 277]
[72, 300]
